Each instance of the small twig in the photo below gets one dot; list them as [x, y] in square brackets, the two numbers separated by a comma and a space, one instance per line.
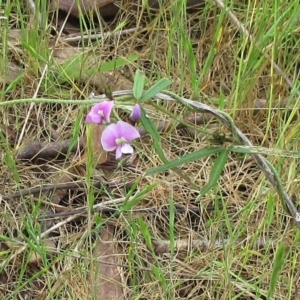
[264, 164]
[101, 35]
[84, 210]
[45, 150]
[58, 225]
[31, 5]
[225, 119]
[181, 245]
[49, 188]
[44, 72]
[153, 210]
[126, 95]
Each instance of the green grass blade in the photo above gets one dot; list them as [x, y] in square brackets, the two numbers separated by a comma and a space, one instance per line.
[117, 63]
[160, 277]
[216, 172]
[33, 51]
[149, 126]
[172, 223]
[129, 204]
[138, 85]
[146, 233]
[185, 159]
[264, 150]
[155, 89]
[278, 264]
[78, 65]
[12, 85]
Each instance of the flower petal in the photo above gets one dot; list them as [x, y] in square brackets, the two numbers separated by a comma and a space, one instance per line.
[126, 149]
[93, 118]
[109, 136]
[136, 113]
[100, 112]
[107, 109]
[127, 131]
[119, 152]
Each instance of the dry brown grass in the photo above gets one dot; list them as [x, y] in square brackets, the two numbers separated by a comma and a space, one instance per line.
[225, 250]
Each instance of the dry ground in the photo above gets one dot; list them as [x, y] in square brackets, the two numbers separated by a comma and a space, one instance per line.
[224, 247]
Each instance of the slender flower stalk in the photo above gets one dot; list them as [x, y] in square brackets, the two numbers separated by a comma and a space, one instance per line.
[117, 136]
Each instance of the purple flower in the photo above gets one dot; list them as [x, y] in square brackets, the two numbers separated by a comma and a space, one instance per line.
[100, 113]
[136, 113]
[117, 136]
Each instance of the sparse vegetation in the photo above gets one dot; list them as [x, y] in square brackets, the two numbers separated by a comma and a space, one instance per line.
[72, 218]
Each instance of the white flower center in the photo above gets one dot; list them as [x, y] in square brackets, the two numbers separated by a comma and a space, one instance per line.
[100, 113]
[121, 141]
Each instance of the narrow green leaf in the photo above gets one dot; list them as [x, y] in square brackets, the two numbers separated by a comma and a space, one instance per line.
[172, 223]
[12, 84]
[117, 63]
[216, 172]
[146, 233]
[33, 51]
[149, 126]
[185, 159]
[160, 277]
[278, 265]
[138, 85]
[141, 195]
[74, 67]
[155, 89]
[79, 66]
[4, 238]
[120, 26]
[263, 150]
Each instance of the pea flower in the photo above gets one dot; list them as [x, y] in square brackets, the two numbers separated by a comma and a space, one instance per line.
[100, 112]
[136, 113]
[117, 136]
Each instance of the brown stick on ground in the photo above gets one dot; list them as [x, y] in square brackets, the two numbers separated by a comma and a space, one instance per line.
[84, 6]
[106, 280]
[48, 188]
[108, 8]
[47, 150]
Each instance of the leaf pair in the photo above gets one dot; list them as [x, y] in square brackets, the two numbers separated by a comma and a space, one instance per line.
[139, 84]
[216, 170]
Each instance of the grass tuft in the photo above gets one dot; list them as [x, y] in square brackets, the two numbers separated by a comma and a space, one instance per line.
[193, 214]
